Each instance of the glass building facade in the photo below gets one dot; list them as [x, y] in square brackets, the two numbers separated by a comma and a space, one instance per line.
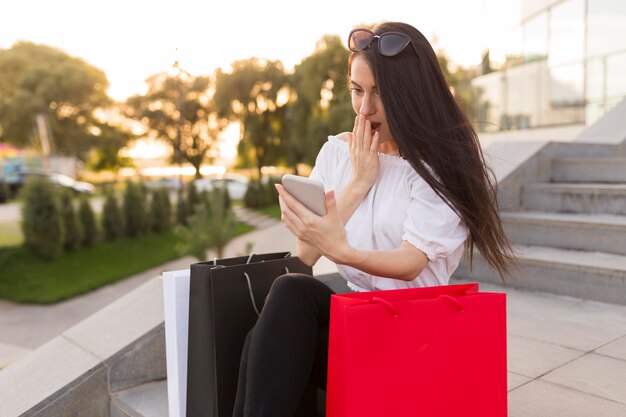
[565, 64]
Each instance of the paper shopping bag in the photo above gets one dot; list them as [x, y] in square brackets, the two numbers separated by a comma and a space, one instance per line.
[428, 352]
[176, 313]
[225, 299]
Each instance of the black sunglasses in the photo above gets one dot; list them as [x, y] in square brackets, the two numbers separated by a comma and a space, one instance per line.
[389, 43]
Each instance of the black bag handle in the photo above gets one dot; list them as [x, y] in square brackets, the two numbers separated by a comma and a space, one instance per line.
[245, 274]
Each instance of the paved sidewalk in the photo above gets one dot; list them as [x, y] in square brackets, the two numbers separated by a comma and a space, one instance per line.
[566, 356]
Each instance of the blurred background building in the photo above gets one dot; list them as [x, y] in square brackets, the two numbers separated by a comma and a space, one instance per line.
[564, 64]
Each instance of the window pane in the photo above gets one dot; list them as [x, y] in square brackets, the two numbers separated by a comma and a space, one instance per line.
[566, 95]
[595, 79]
[535, 45]
[606, 30]
[567, 32]
[616, 76]
[489, 90]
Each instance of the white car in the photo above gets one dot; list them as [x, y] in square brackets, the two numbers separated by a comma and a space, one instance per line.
[69, 182]
[236, 184]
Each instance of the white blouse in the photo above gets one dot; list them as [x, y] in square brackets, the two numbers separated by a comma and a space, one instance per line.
[400, 206]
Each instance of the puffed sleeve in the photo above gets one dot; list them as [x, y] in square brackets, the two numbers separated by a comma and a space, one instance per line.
[431, 225]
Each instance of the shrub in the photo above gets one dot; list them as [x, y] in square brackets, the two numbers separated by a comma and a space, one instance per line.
[112, 220]
[253, 197]
[211, 225]
[134, 209]
[73, 227]
[161, 210]
[271, 195]
[181, 208]
[193, 198]
[88, 222]
[42, 221]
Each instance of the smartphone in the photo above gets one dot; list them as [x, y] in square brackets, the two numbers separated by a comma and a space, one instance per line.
[307, 191]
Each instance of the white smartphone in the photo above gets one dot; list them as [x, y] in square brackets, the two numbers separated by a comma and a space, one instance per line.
[308, 191]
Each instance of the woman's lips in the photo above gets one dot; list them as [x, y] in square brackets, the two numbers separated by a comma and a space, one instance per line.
[375, 126]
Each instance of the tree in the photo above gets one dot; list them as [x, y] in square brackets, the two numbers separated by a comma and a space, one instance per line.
[88, 222]
[322, 102]
[255, 94]
[112, 219]
[134, 209]
[178, 109]
[73, 227]
[211, 225]
[38, 81]
[42, 220]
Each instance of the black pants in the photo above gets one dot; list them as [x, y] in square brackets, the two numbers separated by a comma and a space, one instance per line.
[285, 355]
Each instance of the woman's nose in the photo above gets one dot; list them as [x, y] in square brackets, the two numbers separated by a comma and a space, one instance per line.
[367, 107]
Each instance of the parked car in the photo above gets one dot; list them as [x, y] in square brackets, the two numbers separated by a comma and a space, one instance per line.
[236, 184]
[18, 179]
[172, 184]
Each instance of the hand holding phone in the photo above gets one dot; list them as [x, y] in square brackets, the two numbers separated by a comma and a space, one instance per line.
[307, 191]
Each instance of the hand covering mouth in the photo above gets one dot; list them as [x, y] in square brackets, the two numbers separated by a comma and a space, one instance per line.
[375, 125]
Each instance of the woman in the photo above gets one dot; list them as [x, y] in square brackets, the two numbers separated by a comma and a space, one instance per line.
[409, 192]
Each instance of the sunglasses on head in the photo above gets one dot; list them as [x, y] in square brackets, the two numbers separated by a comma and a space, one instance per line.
[389, 43]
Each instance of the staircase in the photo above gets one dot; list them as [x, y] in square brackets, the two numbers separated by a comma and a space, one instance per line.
[570, 231]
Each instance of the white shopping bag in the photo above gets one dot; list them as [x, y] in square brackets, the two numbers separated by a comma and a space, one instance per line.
[176, 306]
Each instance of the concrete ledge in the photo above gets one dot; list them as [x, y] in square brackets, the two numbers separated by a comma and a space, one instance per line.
[120, 346]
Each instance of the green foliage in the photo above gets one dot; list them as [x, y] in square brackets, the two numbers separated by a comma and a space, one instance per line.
[259, 194]
[73, 227]
[65, 90]
[161, 210]
[323, 104]
[250, 94]
[178, 109]
[181, 208]
[193, 198]
[211, 226]
[134, 209]
[42, 220]
[88, 222]
[112, 220]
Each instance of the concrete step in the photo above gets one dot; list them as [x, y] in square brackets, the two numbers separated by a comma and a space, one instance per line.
[589, 169]
[588, 275]
[590, 232]
[147, 400]
[594, 198]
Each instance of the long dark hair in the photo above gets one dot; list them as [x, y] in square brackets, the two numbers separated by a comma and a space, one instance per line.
[432, 131]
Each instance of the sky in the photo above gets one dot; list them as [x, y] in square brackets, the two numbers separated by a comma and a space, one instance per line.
[133, 39]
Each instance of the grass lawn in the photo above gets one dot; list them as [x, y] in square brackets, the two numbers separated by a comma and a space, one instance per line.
[10, 234]
[272, 211]
[25, 278]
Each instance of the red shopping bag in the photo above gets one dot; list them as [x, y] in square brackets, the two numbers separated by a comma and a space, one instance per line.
[436, 351]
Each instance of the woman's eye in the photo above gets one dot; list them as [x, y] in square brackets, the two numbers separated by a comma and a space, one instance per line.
[356, 90]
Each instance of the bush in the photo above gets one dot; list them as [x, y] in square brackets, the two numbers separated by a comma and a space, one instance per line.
[181, 208]
[134, 210]
[253, 198]
[73, 227]
[271, 196]
[161, 210]
[193, 198]
[42, 221]
[88, 222]
[112, 220]
[261, 195]
[211, 225]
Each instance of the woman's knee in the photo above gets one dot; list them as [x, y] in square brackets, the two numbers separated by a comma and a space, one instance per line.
[290, 284]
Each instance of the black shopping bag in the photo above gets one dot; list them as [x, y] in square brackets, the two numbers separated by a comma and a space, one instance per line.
[225, 297]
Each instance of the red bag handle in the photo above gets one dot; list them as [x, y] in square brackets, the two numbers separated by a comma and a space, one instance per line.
[393, 310]
[386, 303]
